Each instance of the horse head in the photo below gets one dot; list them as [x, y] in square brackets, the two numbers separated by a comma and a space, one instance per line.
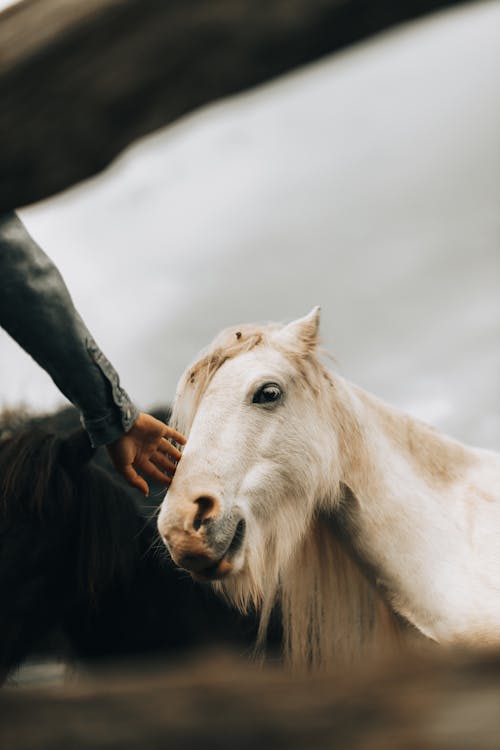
[257, 460]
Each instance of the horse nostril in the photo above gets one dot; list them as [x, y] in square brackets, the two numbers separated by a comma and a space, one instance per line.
[238, 537]
[206, 507]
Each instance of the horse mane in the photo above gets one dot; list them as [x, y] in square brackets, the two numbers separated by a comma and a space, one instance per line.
[332, 612]
[47, 479]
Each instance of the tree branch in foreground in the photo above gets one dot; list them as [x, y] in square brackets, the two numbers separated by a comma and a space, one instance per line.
[81, 81]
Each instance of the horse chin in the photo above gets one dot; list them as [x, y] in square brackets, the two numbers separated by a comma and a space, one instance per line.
[216, 572]
[227, 567]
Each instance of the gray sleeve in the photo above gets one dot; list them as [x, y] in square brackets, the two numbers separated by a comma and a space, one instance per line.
[38, 312]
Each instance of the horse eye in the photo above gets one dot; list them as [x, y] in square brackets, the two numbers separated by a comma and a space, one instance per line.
[267, 394]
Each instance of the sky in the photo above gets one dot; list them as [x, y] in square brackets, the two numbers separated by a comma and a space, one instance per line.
[367, 183]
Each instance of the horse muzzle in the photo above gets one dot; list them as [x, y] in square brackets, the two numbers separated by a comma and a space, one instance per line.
[203, 540]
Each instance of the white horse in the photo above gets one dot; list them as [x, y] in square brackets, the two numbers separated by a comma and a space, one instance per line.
[299, 487]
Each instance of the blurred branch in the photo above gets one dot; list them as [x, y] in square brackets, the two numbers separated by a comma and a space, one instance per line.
[445, 701]
[79, 81]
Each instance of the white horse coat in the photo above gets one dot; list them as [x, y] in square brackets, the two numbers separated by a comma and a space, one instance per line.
[296, 485]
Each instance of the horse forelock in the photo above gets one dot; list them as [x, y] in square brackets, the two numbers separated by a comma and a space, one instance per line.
[195, 381]
[231, 343]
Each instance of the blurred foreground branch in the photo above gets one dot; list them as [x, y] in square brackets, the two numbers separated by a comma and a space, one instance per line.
[79, 81]
[437, 702]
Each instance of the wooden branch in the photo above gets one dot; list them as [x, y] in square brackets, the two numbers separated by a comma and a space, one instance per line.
[79, 81]
[438, 703]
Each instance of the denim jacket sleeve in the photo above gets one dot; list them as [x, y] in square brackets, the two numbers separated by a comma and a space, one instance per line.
[37, 311]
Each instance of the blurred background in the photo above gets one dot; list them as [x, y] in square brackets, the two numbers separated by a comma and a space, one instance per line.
[367, 183]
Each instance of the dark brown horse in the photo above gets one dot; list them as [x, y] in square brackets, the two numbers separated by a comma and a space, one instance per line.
[80, 570]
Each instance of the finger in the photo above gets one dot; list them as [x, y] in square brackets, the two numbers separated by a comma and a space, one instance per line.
[151, 471]
[174, 435]
[164, 464]
[134, 479]
[166, 447]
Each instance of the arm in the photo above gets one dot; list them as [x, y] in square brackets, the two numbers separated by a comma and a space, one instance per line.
[37, 311]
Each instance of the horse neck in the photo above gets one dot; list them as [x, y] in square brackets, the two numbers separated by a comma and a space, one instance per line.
[383, 446]
[370, 550]
[405, 501]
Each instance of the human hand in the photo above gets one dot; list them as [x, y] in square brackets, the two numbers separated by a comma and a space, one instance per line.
[145, 447]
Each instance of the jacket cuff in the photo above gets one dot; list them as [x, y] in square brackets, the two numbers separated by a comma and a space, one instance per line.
[104, 430]
[111, 426]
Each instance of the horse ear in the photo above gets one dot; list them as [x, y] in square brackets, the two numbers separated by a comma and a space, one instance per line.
[304, 331]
